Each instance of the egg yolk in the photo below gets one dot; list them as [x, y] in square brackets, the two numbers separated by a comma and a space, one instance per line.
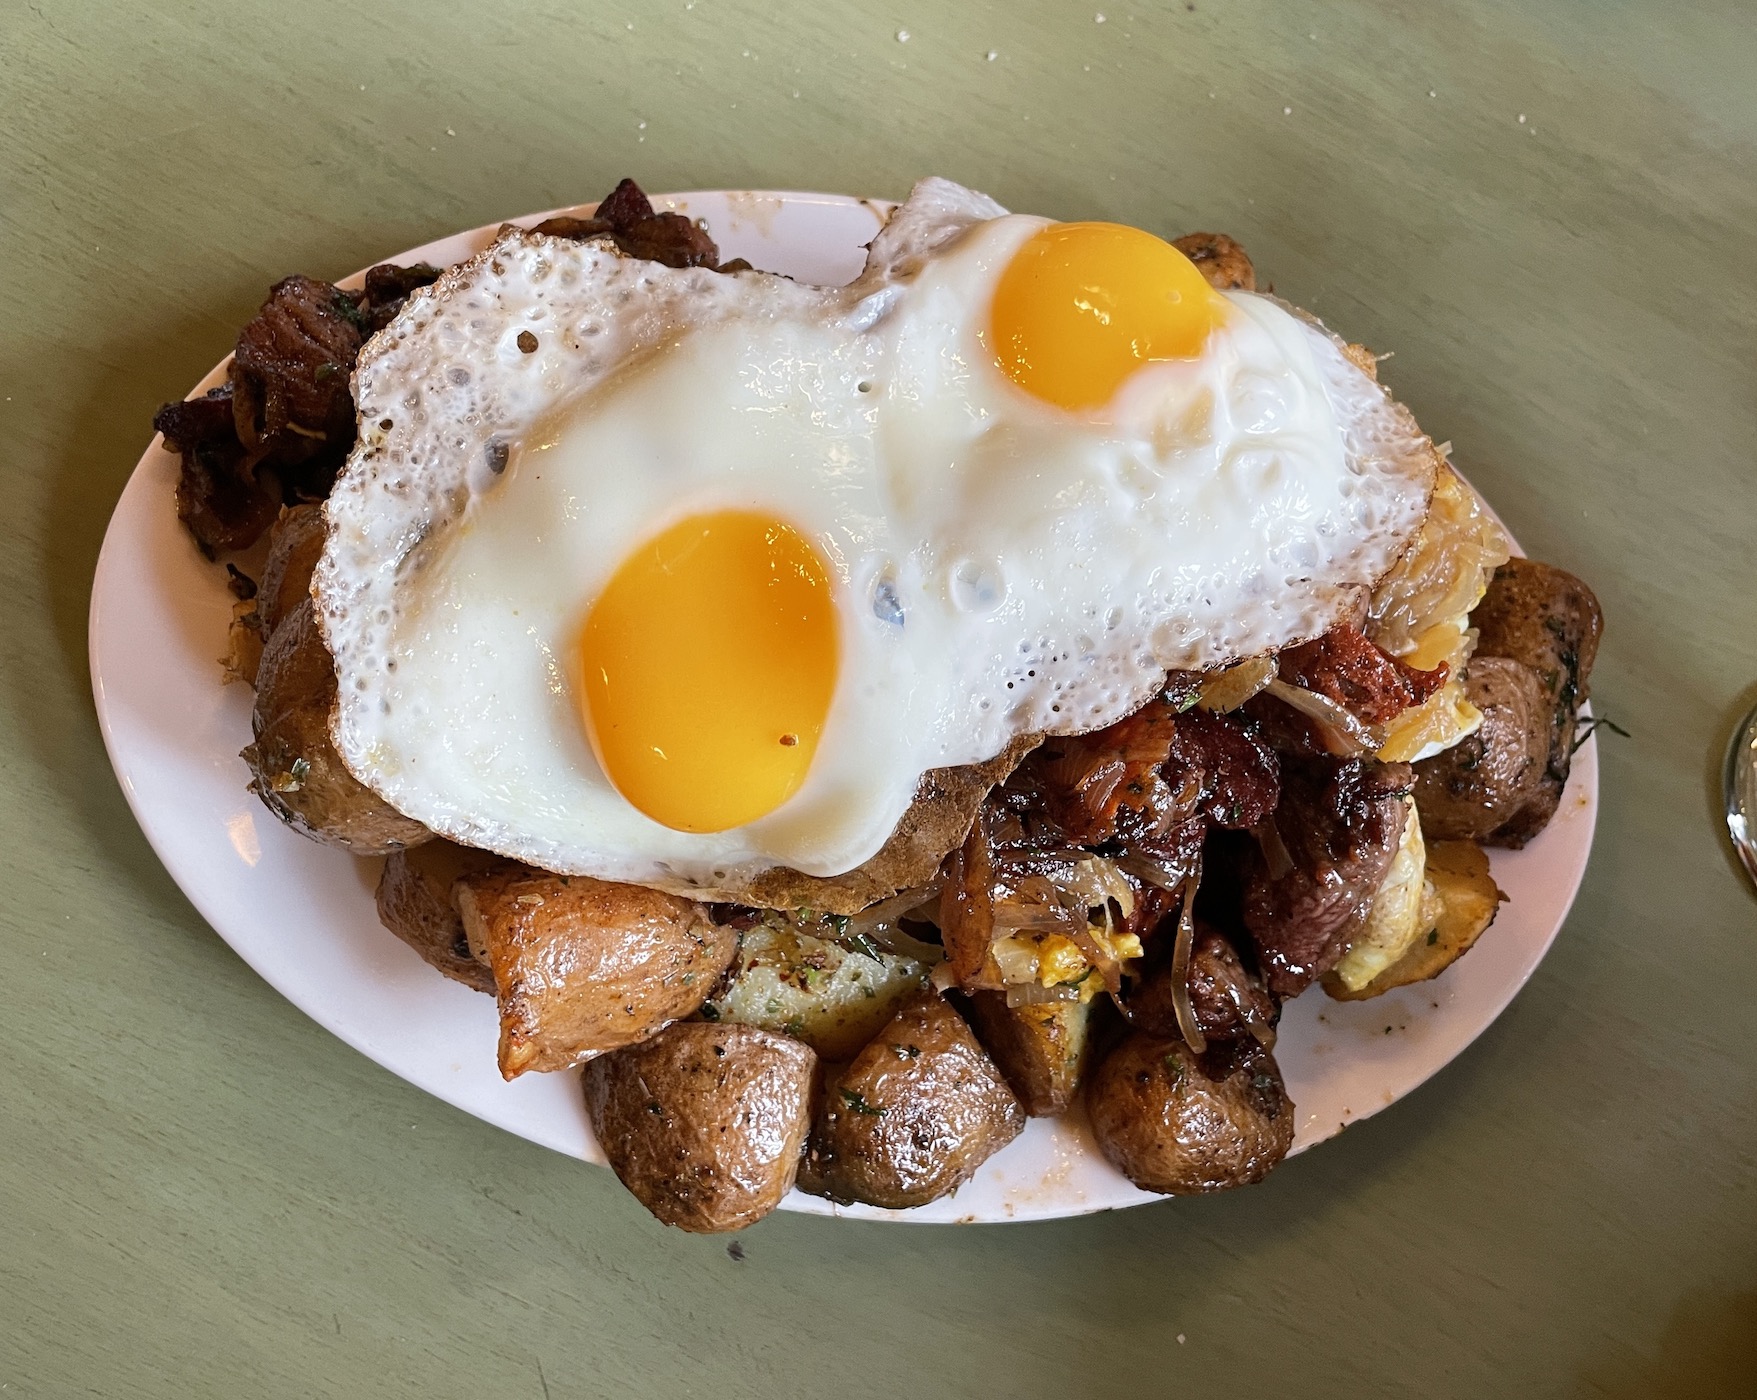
[1082, 306]
[706, 668]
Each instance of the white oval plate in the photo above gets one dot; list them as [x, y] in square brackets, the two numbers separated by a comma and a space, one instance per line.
[302, 915]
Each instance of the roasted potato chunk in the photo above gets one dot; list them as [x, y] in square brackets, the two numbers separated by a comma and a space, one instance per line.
[814, 989]
[294, 545]
[704, 1123]
[415, 903]
[293, 766]
[1478, 785]
[913, 1116]
[1469, 899]
[582, 966]
[1041, 1050]
[1548, 620]
[1186, 1124]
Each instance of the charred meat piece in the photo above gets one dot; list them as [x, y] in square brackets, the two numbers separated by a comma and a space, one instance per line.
[626, 216]
[1186, 1124]
[625, 206]
[1137, 781]
[1241, 776]
[1550, 621]
[673, 239]
[220, 499]
[1479, 784]
[1339, 824]
[1345, 666]
[1220, 259]
[1228, 999]
[1093, 787]
[281, 428]
[387, 289]
[290, 373]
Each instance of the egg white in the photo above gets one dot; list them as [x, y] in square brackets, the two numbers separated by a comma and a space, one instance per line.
[1000, 567]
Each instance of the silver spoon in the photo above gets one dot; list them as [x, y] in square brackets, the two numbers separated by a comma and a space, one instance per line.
[1741, 792]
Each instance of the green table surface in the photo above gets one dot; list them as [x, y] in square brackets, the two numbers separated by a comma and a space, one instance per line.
[1546, 210]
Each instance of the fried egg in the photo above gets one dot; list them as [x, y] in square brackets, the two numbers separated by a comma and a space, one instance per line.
[673, 576]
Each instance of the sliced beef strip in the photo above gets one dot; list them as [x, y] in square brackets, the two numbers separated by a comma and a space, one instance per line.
[290, 371]
[1226, 996]
[220, 498]
[1484, 780]
[1133, 784]
[1344, 665]
[387, 289]
[1341, 821]
[626, 216]
[625, 206]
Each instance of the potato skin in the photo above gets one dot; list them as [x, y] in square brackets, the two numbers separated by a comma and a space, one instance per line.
[415, 903]
[1481, 782]
[913, 1116]
[1469, 900]
[293, 766]
[294, 545]
[1040, 1050]
[1544, 618]
[1182, 1124]
[704, 1123]
[583, 966]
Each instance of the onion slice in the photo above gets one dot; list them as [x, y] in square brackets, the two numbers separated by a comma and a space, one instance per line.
[1180, 966]
[1344, 734]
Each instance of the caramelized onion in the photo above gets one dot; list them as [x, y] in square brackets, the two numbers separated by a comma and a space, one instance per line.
[1180, 967]
[882, 924]
[1155, 870]
[1342, 733]
[1275, 853]
[1228, 689]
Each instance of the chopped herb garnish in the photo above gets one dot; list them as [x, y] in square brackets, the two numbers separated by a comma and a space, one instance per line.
[862, 944]
[710, 1012]
[860, 1105]
[1433, 937]
[1592, 726]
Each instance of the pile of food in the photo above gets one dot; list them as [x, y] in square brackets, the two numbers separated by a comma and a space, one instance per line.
[842, 722]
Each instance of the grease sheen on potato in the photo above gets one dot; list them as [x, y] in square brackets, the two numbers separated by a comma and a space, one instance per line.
[583, 966]
[704, 1123]
[913, 1116]
[1186, 1124]
[293, 766]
